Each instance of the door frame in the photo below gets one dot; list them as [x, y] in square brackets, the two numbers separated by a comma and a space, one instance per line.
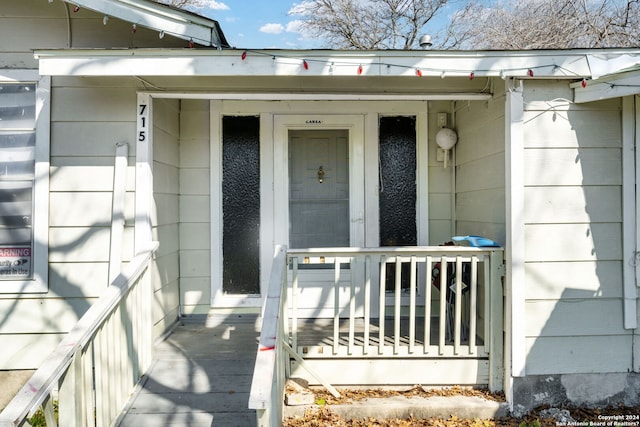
[354, 125]
[361, 119]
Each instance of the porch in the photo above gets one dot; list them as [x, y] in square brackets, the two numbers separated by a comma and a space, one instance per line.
[390, 324]
[204, 375]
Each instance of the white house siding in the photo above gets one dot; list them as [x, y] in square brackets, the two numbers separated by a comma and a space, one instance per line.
[25, 24]
[37, 24]
[87, 121]
[440, 182]
[89, 116]
[480, 177]
[573, 231]
[195, 242]
[166, 217]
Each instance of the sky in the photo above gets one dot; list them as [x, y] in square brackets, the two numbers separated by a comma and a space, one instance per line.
[262, 24]
[255, 24]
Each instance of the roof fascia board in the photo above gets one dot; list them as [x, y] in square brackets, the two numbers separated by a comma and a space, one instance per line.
[612, 86]
[169, 62]
[603, 66]
[157, 17]
[284, 96]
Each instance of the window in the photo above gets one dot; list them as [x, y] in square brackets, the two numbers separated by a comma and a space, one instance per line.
[24, 172]
[398, 189]
[398, 192]
[241, 204]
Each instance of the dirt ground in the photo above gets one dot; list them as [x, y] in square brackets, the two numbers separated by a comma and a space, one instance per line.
[324, 417]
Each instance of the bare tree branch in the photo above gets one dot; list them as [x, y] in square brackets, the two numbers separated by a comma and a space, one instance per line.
[367, 24]
[545, 24]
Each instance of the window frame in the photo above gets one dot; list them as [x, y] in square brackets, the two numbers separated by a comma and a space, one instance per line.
[38, 282]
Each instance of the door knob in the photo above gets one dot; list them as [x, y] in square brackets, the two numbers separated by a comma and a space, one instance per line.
[320, 175]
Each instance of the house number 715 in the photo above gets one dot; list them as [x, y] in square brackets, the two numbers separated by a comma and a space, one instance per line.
[142, 130]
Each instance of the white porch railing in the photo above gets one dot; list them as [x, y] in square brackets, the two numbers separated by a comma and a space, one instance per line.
[99, 362]
[387, 312]
[267, 385]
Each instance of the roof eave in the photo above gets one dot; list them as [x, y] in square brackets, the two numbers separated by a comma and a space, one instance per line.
[624, 83]
[161, 18]
[228, 62]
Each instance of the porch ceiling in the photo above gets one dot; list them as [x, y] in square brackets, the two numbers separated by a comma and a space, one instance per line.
[308, 88]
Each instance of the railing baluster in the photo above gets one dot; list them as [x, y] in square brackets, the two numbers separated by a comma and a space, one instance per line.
[285, 303]
[147, 320]
[120, 360]
[397, 304]
[132, 348]
[294, 305]
[112, 385]
[412, 305]
[281, 359]
[443, 304]
[49, 413]
[70, 394]
[88, 417]
[427, 305]
[101, 372]
[367, 304]
[382, 303]
[473, 311]
[352, 305]
[487, 304]
[336, 306]
[496, 367]
[458, 307]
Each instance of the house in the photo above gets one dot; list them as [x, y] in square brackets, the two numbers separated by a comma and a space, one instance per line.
[234, 151]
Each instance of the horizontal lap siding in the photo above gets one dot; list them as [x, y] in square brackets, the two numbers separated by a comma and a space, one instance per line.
[480, 177]
[86, 123]
[165, 221]
[195, 229]
[36, 24]
[88, 117]
[440, 183]
[573, 234]
[578, 354]
[25, 24]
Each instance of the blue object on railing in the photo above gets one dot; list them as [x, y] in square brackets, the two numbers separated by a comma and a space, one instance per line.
[476, 241]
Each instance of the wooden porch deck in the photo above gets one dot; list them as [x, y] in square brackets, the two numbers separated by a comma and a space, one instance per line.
[200, 376]
[201, 373]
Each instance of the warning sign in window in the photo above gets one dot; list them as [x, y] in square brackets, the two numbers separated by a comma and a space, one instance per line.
[15, 262]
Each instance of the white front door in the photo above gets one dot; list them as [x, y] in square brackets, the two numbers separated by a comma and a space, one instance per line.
[318, 188]
[302, 145]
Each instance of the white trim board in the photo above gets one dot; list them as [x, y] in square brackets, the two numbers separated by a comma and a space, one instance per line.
[229, 62]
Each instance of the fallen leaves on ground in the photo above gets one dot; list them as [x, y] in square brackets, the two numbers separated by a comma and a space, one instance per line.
[323, 416]
[350, 395]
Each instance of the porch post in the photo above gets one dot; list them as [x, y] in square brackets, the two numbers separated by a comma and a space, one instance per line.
[144, 172]
[515, 346]
[496, 339]
[636, 243]
[629, 213]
